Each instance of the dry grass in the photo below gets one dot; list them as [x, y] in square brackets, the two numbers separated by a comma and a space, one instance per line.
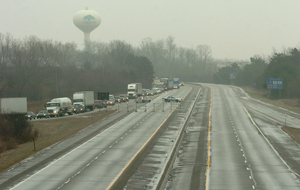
[294, 133]
[289, 104]
[50, 132]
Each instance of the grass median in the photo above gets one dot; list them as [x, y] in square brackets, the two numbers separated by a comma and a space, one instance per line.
[51, 131]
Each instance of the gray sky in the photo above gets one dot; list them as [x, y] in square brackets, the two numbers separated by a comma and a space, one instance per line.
[235, 29]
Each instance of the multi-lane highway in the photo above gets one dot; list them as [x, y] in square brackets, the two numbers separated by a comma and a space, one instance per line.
[247, 148]
[217, 138]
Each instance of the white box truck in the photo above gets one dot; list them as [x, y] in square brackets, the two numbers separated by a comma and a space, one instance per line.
[85, 98]
[134, 90]
[59, 107]
[13, 105]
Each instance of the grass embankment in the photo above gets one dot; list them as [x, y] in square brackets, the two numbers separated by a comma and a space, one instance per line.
[289, 104]
[50, 132]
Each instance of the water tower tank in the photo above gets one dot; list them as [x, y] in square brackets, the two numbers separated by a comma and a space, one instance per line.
[87, 21]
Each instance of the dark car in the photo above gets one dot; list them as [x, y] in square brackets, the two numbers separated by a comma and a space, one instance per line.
[124, 97]
[75, 108]
[117, 99]
[42, 114]
[98, 104]
[81, 108]
[142, 99]
[104, 103]
[30, 115]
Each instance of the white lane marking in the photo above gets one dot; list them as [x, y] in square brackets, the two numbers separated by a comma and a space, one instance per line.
[55, 160]
[284, 162]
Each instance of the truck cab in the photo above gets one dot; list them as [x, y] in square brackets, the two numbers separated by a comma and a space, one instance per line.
[134, 90]
[53, 109]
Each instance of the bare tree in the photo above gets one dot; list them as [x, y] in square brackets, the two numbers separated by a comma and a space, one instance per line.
[205, 54]
[171, 47]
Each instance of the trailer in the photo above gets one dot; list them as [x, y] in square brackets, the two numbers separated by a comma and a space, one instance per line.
[176, 83]
[85, 98]
[13, 105]
[134, 90]
[59, 107]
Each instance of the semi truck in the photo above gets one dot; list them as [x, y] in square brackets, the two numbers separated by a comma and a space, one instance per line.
[160, 86]
[85, 98]
[59, 107]
[134, 90]
[166, 82]
[176, 83]
[13, 105]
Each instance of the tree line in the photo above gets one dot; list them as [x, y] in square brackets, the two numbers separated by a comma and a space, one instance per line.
[284, 65]
[43, 69]
[170, 60]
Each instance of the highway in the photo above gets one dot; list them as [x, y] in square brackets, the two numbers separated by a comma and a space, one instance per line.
[97, 163]
[217, 138]
[246, 148]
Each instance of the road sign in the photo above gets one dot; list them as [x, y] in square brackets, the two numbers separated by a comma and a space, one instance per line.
[274, 83]
[103, 95]
[233, 75]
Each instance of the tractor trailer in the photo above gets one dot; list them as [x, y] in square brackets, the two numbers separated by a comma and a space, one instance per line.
[134, 90]
[85, 98]
[59, 107]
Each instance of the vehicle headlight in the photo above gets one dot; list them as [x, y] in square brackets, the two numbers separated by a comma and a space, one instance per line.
[55, 112]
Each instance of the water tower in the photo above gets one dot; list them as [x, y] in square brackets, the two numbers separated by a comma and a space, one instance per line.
[87, 20]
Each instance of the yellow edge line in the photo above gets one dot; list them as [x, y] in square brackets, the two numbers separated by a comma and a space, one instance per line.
[208, 145]
[141, 148]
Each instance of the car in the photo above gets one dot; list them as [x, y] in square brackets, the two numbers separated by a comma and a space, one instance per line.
[104, 103]
[42, 114]
[98, 104]
[124, 97]
[81, 108]
[111, 101]
[172, 98]
[30, 115]
[156, 90]
[142, 99]
[117, 99]
[144, 92]
[75, 108]
[151, 93]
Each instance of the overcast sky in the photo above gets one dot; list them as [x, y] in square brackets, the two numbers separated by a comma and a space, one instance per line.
[234, 29]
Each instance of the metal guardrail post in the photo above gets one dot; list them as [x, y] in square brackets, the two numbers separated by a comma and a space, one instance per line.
[179, 107]
[135, 107]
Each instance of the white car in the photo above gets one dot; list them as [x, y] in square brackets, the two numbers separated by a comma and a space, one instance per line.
[172, 98]
[142, 99]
